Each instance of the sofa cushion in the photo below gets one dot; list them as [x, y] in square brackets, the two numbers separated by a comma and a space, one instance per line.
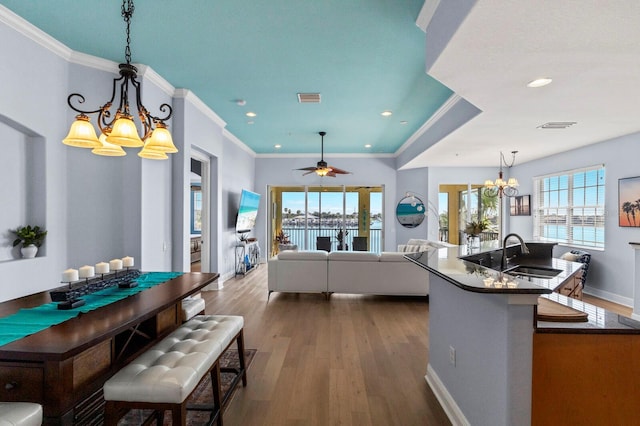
[353, 256]
[413, 248]
[392, 256]
[435, 244]
[418, 242]
[571, 257]
[303, 255]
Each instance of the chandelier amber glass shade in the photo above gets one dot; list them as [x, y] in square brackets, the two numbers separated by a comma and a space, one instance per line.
[82, 134]
[108, 149]
[160, 140]
[151, 154]
[125, 133]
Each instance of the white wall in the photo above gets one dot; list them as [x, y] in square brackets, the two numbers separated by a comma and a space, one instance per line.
[198, 131]
[33, 115]
[611, 271]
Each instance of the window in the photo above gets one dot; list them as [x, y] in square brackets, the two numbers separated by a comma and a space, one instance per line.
[304, 213]
[196, 209]
[569, 207]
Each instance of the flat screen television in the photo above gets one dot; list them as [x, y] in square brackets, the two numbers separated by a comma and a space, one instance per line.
[247, 211]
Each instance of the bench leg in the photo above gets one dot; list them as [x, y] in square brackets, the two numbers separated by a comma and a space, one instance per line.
[241, 357]
[217, 394]
[179, 414]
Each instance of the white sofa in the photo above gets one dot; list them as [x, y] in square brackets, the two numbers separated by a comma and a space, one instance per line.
[388, 273]
[298, 271]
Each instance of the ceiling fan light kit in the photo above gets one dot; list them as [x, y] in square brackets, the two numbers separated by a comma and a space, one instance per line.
[322, 168]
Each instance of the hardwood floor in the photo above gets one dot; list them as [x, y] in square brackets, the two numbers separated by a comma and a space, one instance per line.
[610, 306]
[350, 360]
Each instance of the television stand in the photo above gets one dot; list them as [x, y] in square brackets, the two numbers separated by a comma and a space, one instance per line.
[247, 256]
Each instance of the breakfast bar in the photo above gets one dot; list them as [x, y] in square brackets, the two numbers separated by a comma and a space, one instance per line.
[63, 367]
[491, 361]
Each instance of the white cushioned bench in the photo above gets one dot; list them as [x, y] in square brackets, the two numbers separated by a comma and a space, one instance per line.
[20, 414]
[164, 376]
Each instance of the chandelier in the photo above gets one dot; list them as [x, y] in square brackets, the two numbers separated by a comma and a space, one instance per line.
[119, 130]
[507, 188]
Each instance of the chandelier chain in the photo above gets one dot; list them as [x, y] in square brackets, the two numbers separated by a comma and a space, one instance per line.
[127, 13]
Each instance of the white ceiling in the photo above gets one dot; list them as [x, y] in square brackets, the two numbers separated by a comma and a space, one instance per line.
[591, 49]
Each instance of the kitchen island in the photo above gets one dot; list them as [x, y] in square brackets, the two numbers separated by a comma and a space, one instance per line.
[484, 340]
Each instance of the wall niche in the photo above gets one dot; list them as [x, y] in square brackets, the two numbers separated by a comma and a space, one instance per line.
[22, 184]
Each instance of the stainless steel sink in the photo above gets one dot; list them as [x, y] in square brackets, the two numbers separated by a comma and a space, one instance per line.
[534, 271]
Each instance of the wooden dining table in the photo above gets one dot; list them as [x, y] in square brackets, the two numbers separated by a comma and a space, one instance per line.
[63, 367]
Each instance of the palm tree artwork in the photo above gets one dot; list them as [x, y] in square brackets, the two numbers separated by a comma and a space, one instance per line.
[629, 199]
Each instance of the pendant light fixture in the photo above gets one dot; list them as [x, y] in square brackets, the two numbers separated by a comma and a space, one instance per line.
[119, 130]
[504, 188]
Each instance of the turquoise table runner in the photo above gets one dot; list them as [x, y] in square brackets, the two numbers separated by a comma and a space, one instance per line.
[31, 320]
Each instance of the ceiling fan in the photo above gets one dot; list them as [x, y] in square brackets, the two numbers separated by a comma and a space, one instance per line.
[322, 168]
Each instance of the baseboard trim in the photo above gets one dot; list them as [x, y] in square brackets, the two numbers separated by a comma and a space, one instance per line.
[446, 400]
[611, 297]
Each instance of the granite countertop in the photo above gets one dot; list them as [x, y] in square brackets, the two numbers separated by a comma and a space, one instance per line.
[446, 263]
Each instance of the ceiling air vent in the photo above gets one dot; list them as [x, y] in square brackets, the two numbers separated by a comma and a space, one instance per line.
[557, 125]
[309, 98]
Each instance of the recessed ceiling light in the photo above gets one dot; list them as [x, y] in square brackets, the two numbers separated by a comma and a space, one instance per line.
[251, 114]
[386, 113]
[277, 146]
[368, 145]
[403, 122]
[539, 82]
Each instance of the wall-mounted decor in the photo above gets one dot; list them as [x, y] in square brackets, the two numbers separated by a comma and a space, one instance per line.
[520, 205]
[629, 201]
[410, 211]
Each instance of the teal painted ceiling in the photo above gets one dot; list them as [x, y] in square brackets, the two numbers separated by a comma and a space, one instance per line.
[362, 56]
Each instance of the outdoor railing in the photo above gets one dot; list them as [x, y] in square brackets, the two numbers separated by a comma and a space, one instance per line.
[296, 236]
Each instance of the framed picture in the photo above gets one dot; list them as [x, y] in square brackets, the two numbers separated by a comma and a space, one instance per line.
[629, 202]
[520, 205]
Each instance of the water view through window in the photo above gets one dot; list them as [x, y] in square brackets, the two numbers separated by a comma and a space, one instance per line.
[330, 212]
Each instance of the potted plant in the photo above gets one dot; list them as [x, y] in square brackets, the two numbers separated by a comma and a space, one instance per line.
[473, 229]
[31, 237]
[283, 241]
[340, 236]
[476, 228]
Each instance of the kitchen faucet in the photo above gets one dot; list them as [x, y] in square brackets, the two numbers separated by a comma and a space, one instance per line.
[523, 249]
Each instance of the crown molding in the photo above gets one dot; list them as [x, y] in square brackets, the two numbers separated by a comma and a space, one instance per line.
[149, 73]
[201, 106]
[444, 108]
[227, 134]
[192, 98]
[33, 33]
[315, 155]
[426, 14]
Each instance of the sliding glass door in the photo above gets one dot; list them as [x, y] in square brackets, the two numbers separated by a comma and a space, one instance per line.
[327, 217]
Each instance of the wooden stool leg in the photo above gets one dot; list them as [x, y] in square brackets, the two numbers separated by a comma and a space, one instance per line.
[217, 392]
[241, 357]
[111, 414]
[159, 417]
[179, 414]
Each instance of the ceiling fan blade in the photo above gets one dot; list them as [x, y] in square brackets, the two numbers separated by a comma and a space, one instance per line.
[313, 169]
[308, 173]
[339, 171]
[331, 174]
